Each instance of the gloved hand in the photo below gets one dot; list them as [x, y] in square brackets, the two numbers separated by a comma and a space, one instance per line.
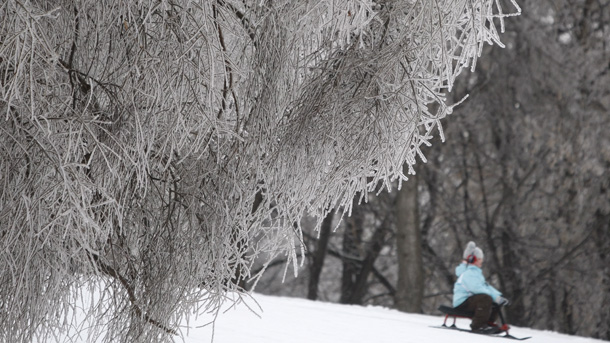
[502, 301]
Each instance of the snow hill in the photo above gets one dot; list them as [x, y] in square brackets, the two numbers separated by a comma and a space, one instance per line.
[268, 319]
[290, 320]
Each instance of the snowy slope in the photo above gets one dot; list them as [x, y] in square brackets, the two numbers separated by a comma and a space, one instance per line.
[288, 320]
[267, 319]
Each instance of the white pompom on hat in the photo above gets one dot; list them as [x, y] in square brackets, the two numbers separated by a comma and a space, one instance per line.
[469, 250]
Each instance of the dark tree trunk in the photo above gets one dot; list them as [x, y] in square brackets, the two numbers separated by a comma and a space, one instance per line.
[360, 287]
[410, 287]
[602, 243]
[319, 256]
[352, 252]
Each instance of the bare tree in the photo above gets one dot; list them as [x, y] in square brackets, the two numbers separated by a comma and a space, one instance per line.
[410, 284]
[161, 148]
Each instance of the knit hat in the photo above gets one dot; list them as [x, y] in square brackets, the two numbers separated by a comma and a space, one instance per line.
[478, 254]
[472, 253]
[469, 250]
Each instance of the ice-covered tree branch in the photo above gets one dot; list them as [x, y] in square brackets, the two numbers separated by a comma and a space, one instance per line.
[180, 141]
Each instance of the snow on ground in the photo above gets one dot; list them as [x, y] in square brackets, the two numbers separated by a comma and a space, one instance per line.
[268, 319]
[290, 320]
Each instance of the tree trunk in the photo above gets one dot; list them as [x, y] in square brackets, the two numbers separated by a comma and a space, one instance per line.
[361, 285]
[602, 242]
[410, 287]
[318, 257]
[352, 247]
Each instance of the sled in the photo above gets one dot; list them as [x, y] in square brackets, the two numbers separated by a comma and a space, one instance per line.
[451, 312]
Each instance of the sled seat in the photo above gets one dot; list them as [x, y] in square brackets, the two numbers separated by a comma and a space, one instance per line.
[453, 312]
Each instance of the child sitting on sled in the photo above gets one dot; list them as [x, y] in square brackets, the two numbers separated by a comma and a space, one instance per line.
[472, 293]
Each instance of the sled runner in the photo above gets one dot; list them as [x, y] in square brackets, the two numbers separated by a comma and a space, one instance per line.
[455, 313]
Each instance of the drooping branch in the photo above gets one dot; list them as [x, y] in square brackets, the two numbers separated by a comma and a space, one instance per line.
[108, 270]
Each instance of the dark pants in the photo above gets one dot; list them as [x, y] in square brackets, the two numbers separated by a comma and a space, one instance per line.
[484, 310]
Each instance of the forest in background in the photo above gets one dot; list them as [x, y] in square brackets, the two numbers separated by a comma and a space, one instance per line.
[525, 175]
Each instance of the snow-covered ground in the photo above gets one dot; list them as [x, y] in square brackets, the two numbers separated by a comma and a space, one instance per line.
[289, 320]
[268, 319]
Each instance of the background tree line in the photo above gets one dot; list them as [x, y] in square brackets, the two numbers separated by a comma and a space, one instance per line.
[526, 177]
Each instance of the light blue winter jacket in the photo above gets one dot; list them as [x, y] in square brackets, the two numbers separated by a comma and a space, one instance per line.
[470, 282]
